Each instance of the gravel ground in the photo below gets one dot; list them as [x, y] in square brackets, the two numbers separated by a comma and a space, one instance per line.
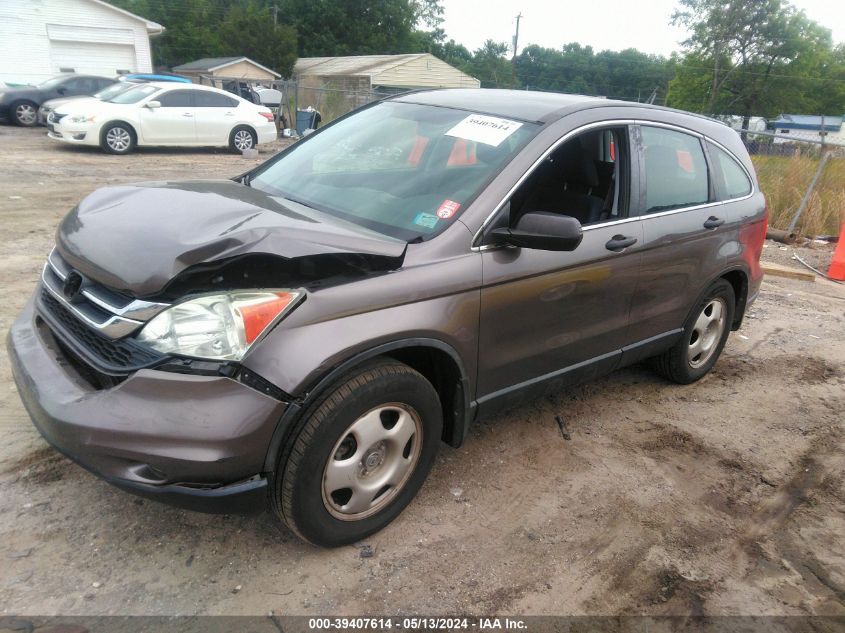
[723, 497]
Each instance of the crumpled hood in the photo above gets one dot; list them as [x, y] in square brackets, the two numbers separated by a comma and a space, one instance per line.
[136, 238]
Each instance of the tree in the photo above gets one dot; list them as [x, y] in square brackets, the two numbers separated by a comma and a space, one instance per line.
[490, 66]
[190, 28]
[748, 58]
[330, 28]
[267, 43]
[627, 74]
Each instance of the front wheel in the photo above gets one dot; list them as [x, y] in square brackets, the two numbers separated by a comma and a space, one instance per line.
[118, 138]
[705, 334]
[361, 456]
[25, 113]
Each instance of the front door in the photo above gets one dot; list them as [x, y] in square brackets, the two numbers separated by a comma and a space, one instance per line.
[173, 122]
[550, 318]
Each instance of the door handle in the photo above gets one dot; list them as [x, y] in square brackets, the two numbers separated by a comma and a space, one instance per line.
[713, 222]
[187, 114]
[620, 243]
[230, 114]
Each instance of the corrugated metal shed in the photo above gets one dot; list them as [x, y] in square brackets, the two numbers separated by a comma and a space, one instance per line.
[417, 70]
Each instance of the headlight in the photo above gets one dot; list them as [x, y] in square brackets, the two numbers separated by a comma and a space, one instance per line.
[218, 327]
[82, 118]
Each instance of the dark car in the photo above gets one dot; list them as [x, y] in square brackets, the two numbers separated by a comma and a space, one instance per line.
[20, 105]
[306, 335]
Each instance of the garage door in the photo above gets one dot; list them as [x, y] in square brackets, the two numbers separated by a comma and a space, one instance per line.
[92, 58]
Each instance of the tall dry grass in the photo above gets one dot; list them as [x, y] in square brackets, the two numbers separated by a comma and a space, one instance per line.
[785, 179]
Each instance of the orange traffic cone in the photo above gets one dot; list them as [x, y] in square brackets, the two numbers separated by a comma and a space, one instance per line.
[837, 266]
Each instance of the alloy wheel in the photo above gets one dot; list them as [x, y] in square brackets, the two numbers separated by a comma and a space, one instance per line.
[243, 140]
[26, 113]
[372, 461]
[118, 139]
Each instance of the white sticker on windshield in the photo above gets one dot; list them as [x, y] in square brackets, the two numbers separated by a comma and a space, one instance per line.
[489, 130]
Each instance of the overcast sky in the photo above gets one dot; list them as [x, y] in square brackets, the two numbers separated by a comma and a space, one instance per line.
[603, 24]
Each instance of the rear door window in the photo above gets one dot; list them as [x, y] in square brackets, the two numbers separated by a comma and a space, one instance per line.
[203, 99]
[176, 99]
[675, 170]
[731, 179]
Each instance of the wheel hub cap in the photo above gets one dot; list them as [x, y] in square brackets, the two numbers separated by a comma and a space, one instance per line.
[707, 332]
[372, 461]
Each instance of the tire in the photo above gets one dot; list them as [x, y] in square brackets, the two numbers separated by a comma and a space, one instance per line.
[118, 138]
[386, 401]
[24, 113]
[241, 138]
[703, 339]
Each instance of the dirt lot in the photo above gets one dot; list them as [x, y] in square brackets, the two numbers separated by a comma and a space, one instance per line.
[724, 497]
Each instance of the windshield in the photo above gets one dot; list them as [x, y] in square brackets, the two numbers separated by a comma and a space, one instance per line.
[110, 91]
[133, 95]
[401, 169]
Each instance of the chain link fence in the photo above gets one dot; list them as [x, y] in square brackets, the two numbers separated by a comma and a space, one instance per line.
[803, 180]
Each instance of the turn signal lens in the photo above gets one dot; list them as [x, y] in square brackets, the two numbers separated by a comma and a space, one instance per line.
[218, 327]
[257, 314]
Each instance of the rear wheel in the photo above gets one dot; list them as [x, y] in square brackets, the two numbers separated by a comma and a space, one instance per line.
[25, 113]
[242, 138]
[361, 456]
[118, 138]
[705, 334]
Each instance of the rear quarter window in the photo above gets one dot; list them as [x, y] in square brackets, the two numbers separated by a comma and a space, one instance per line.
[731, 179]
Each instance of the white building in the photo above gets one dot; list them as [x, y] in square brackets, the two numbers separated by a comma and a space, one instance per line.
[42, 38]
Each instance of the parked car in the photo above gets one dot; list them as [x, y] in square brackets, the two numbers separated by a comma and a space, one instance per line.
[305, 335]
[164, 113]
[48, 107]
[20, 105]
[120, 84]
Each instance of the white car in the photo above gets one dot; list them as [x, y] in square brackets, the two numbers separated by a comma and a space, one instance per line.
[164, 114]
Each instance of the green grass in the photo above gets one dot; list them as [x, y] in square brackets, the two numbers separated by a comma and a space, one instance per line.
[784, 179]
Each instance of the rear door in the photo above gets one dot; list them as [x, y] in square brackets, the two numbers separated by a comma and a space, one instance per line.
[173, 122]
[215, 116]
[684, 230]
[553, 318]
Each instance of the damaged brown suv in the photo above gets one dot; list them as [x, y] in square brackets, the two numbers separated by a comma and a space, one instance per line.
[306, 335]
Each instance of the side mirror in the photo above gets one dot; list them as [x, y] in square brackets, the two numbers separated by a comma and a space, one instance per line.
[61, 90]
[542, 231]
[152, 105]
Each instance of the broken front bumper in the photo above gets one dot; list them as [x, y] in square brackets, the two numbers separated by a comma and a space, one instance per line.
[198, 442]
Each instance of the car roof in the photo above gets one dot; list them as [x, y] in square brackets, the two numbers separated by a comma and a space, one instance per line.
[524, 105]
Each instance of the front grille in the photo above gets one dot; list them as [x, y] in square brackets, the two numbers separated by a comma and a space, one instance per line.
[113, 357]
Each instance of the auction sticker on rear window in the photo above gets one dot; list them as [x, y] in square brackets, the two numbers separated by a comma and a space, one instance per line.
[480, 128]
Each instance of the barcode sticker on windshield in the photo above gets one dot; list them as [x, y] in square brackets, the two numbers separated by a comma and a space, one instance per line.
[480, 128]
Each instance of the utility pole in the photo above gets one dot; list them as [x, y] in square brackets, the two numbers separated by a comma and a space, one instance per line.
[275, 10]
[515, 44]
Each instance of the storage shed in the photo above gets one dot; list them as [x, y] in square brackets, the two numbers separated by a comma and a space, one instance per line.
[40, 39]
[382, 73]
[229, 67]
